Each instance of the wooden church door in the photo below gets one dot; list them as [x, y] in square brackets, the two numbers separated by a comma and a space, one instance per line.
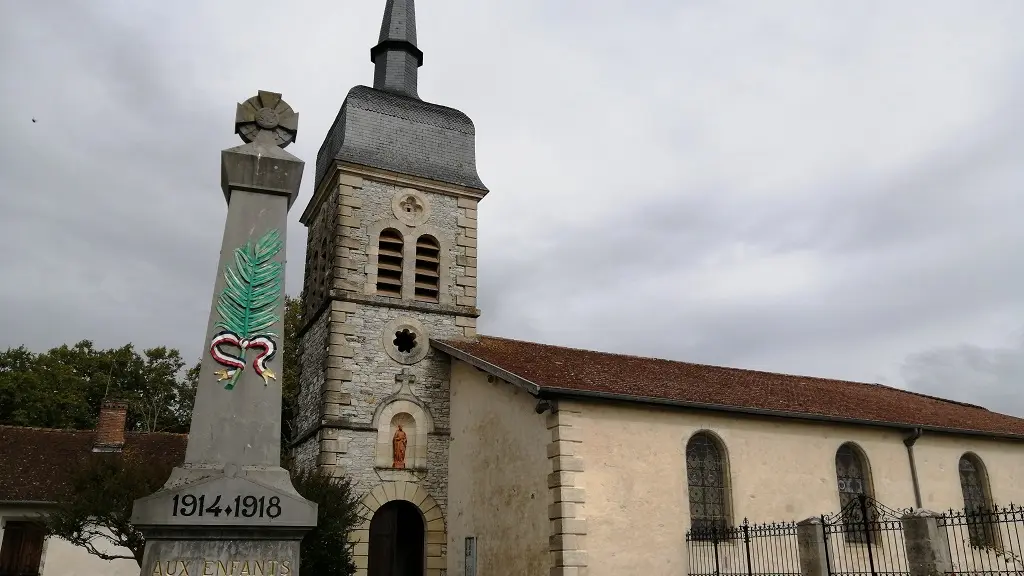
[396, 541]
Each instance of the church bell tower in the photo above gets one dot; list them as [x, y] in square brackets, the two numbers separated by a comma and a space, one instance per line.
[390, 264]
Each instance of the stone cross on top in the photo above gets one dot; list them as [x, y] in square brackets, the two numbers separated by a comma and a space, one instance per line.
[266, 119]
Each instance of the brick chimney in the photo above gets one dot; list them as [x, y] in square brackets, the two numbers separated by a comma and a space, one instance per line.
[110, 428]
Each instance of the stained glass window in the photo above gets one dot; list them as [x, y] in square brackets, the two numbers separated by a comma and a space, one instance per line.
[706, 478]
[851, 474]
[976, 502]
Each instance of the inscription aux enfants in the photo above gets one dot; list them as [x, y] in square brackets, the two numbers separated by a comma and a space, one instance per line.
[202, 567]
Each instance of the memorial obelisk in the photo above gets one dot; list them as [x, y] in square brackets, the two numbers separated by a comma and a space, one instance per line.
[230, 508]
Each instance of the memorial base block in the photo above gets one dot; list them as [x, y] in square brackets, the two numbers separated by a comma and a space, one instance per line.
[221, 558]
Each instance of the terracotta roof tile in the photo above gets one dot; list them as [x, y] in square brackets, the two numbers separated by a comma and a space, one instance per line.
[555, 367]
[34, 461]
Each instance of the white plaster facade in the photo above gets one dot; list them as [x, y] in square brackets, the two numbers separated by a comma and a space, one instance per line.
[616, 476]
[61, 558]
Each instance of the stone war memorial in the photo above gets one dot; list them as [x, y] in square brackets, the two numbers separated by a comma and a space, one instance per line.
[230, 508]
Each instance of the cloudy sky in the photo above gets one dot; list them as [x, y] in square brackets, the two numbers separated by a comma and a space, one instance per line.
[824, 188]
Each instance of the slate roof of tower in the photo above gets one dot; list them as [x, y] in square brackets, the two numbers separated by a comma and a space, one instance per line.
[34, 462]
[555, 369]
[394, 132]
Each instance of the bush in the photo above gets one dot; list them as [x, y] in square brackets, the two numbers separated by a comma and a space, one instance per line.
[326, 549]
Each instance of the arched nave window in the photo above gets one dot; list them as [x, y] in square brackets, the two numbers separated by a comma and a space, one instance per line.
[977, 500]
[707, 476]
[853, 481]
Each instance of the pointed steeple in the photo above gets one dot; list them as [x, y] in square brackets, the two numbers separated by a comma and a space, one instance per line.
[396, 57]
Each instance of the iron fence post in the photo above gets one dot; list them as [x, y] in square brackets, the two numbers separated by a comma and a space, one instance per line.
[746, 544]
[824, 538]
[714, 543]
[863, 499]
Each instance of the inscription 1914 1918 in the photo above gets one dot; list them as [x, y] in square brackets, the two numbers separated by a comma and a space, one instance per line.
[247, 506]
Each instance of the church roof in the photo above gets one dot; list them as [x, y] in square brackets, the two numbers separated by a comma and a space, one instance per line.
[551, 371]
[389, 127]
[34, 462]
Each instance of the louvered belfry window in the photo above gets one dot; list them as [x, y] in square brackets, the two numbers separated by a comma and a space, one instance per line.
[428, 268]
[977, 506]
[389, 263]
[706, 479]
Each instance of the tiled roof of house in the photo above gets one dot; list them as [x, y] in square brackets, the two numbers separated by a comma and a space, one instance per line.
[34, 462]
[554, 369]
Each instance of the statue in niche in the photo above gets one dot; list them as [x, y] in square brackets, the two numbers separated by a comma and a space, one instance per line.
[399, 443]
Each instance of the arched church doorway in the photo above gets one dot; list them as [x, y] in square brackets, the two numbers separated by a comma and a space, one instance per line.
[396, 540]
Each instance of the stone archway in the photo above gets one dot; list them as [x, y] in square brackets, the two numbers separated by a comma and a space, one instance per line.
[432, 517]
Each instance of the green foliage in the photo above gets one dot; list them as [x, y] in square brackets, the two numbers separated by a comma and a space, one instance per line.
[290, 367]
[64, 387]
[110, 484]
[326, 549]
[251, 290]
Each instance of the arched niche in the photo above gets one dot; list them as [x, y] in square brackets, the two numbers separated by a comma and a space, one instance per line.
[416, 424]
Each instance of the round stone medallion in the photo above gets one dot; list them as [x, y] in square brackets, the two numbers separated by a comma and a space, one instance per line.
[405, 340]
[410, 207]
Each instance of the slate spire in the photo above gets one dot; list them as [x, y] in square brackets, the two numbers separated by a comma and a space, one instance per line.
[396, 57]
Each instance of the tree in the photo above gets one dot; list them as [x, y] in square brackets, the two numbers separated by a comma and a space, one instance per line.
[290, 367]
[326, 549]
[97, 509]
[64, 387]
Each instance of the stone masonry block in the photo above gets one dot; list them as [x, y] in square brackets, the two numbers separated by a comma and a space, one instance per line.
[465, 261]
[562, 510]
[342, 351]
[566, 542]
[465, 300]
[343, 306]
[568, 526]
[470, 232]
[339, 330]
[350, 222]
[342, 398]
[345, 210]
[567, 494]
[562, 449]
[471, 252]
[470, 272]
[469, 331]
[467, 203]
[465, 321]
[351, 201]
[566, 464]
[566, 434]
[470, 291]
[327, 458]
[339, 374]
[469, 213]
[351, 243]
[569, 558]
[350, 180]
[465, 241]
[556, 479]
[467, 222]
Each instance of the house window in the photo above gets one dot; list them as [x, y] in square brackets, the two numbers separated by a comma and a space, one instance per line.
[852, 478]
[22, 549]
[428, 267]
[977, 503]
[706, 477]
[389, 263]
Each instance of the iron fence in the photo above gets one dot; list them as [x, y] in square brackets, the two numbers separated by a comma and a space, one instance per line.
[747, 549]
[986, 541]
[863, 538]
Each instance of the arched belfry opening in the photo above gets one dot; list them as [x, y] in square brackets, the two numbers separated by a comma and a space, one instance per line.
[397, 535]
